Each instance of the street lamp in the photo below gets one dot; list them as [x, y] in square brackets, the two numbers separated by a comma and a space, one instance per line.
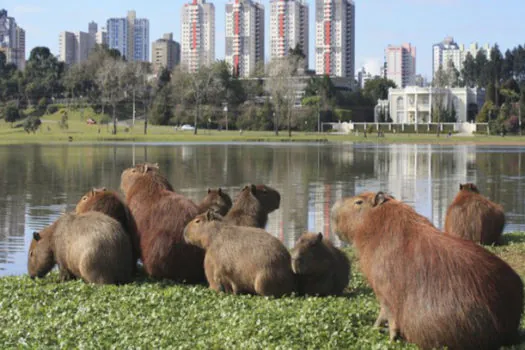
[226, 113]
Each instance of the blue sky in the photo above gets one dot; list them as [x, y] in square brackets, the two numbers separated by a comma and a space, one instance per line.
[378, 23]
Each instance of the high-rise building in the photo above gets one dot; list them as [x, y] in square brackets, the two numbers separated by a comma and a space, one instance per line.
[12, 40]
[401, 65]
[197, 34]
[165, 53]
[74, 47]
[449, 51]
[335, 38]
[129, 35]
[92, 30]
[102, 37]
[244, 36]
[288, 27]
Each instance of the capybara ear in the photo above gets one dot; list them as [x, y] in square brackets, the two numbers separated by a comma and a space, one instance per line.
[209, 190]
[220, 191]
[103, 189]
[36, 236]
[254, 189]
[379, 199]
[460, 187]
[319, 237]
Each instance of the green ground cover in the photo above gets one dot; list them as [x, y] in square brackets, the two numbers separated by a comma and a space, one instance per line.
[151, 315]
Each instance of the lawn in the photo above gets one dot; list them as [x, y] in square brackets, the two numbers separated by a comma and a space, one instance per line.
[79, 131]
[152, 314]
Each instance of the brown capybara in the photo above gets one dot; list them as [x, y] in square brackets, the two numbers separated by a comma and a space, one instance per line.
[320, 268]
[91, 246]
[474, 217]
[434, 290]
[241, 259]
[160, 215]
[109, 203]
[252, 206]
[217, 200]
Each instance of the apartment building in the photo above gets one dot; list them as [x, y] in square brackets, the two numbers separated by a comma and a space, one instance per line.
[197, 34]
[129, 35]
[401, 64]
[165, 53]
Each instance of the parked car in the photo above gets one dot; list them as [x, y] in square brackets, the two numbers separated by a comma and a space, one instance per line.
[186, 127]
[91, 121]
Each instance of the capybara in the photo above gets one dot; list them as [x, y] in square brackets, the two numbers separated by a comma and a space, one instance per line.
[91, 246]
[320, 267]
[434, 290]
[160, 215]
[109, 203]
[241, 259]
[252, 206]
[217, 200]
[473, 216]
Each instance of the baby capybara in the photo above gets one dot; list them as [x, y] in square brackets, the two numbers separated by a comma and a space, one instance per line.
[217, 200]
[241, 259]
[109, 203]
[473, 216]
[434, 290]
[252, 206]
[160, 215]
[91, 246]
[320, 267]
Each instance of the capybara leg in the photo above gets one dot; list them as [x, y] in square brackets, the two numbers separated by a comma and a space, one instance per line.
[382, 318]
[65, 275]
[393, 330]
[272, 285]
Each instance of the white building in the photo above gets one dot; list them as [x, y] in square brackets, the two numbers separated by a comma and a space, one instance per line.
[12, 40]
[449, 50]
[74, 47]
[401, 65]
[244, 36]
[335, 38]
[414, 105]
[288, 27]
[101, 37]
[197, 34]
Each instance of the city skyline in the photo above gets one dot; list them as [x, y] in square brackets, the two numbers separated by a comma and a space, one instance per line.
[379, 23]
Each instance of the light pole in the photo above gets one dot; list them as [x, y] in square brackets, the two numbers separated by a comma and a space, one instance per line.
[226, 113]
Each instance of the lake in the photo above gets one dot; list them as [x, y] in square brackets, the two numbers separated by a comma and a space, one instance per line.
[39, 182]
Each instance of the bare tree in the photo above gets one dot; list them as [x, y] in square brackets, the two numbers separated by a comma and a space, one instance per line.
[202, 85]
[110, 79]
[282, 87]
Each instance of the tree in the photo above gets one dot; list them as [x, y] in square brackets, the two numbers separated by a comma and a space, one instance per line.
[282, 87]
[42, 75]
[320, 93]
[377, 88]
[495, 69]
[469, 71]
[202, 86]
[161, 111]
[11, 113]
[446, 77]
[111, 83]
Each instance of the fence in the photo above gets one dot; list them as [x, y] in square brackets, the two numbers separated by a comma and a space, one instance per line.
[463, 128]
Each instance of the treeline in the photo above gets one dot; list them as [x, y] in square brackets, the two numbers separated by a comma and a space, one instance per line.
[211, 97]
[503, 78]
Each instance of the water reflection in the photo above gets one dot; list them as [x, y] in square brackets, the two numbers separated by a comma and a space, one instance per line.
[40, 182]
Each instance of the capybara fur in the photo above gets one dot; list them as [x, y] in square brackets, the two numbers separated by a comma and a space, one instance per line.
[110, 203]
[434, 290]
[320, 267]
[160, 215]
[216, 200]
[91, 246]
[474, 217]
[241, 259]
[252, 206]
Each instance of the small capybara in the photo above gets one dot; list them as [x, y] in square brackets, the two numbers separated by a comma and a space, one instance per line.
[160, 215]
[434, 290]
[241, 259]
[320, 268]
[91, 246]
[252, 206]
[217, 200]
[109, 203]
[473, 216]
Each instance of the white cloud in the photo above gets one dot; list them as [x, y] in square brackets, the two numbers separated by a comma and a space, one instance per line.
[372, 65]
[23, 9]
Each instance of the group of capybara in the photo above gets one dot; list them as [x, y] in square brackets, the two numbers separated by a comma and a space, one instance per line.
[434, 288]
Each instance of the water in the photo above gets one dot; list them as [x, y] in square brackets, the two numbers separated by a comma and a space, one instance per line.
[38, 183]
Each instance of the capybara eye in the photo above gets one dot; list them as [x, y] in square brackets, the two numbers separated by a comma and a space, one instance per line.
[197, 221]
[84, 198]
[31, 253]
[359, 202]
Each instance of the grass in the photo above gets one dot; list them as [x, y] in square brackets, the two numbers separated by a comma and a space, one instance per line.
[79, 131]
[152, 314]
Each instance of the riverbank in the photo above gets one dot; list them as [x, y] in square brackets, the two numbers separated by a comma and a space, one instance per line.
[78, 131]
[151, 314]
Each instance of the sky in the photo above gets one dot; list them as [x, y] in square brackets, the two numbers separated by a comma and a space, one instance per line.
[379, 23]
